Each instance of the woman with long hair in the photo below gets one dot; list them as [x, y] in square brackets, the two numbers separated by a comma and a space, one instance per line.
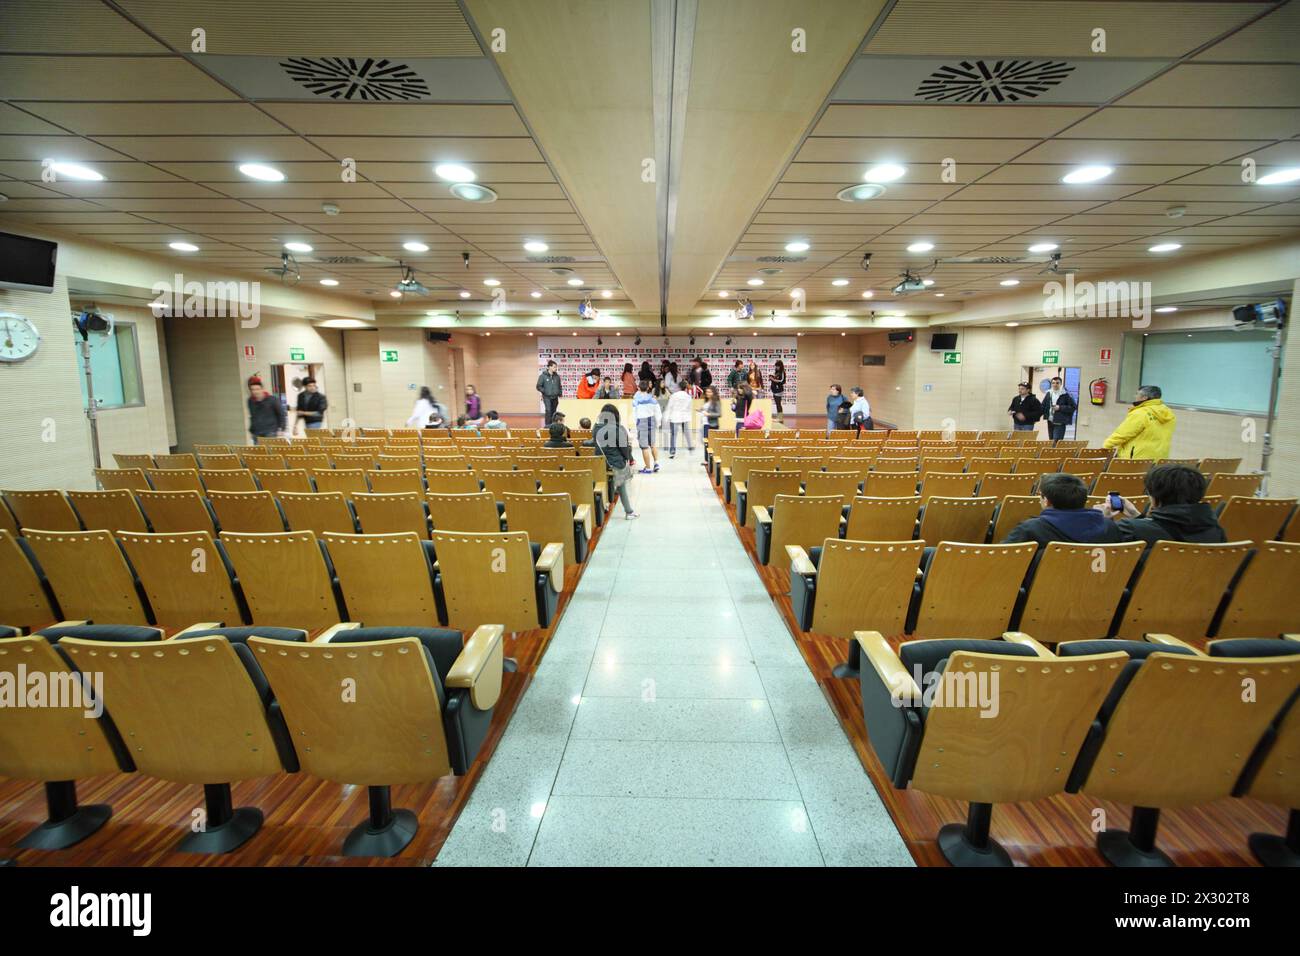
[423, 410]
[611, 440]
[646, 374]
[776, 384]
[742, 399]
[629, 380]
[710, 411]
[754, 378]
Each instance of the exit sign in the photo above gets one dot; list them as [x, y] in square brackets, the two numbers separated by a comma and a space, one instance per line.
[297, 355]
[390, 355]
[951, 358]
[1052, 358]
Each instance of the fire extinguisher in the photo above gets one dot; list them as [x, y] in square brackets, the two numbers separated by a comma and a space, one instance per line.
[1097, 391]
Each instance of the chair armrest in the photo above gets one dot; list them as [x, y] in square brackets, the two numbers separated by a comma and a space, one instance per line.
[551, 561]
[1168, 640]
[479, 666]
[206, 626]
[1020, 637]
[1291, 637]
[75, 624]
[327, 635]
[762, 515]
[888, 667]
[741, 487]
[800, 563]
[582, 516]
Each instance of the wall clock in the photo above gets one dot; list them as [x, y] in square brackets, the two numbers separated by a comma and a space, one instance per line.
[19, 338]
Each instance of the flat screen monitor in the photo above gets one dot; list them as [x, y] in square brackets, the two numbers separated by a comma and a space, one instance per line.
[943, 341]
[27, 263]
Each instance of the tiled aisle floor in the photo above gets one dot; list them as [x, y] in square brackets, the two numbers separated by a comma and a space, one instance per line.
[672, 720]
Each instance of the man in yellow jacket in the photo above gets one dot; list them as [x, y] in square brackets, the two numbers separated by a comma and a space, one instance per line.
[1148, 429]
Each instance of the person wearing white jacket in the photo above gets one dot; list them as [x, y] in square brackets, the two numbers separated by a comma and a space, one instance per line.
[679, 416]
[645, 409]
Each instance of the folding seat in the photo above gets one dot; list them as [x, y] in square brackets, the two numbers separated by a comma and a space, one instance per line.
[134, 461]
[1255, 519]
[1130, 466]
[883, 519]
[799, 461]
[169, 511]
[965, 520]
[741, 465]
[999, 485]
[1226, 484]
[537, 462]
[318, 512]
[818, 484]
[1075, 590]
[277, 480]
[46, 510]
[947, 464]
[347, 481]
[895, 464]
[177, 462]
[398, 463]
[1077, 465]
[761, 488]
[948, 485]
[249, 512]
[108, 510]
[1178, 588]
[985, 436]
[578, 486]
[1089, 478]
[970, 590]
[396, 480]
[1013, 510]
[985, 464]
[795, 519]
[598, 469]
[380, 433]
[219, 463]
[459, 482]
[276, 444]
[904, 435]
[307, 462]
[228, 479]
[861, 467]
[1216, 466]
[1189, 462]
[490, 462]
[1140, 502]
[175, 479]
[1036, 466]
[385, 579]
[90, 576]
[211, 449]
[1180, 733]
[513, 482]
[446, 463]
[1261, 600]
[1125, 485]
[890, 484]
[391, 512]
[26, 601]
[551, 517]
[129, 479]
[837, 587]
[500, 577]
[476, 512]
[186, 578]
[1011, 451]
[196, 710]
[285, 579]
[351, 461]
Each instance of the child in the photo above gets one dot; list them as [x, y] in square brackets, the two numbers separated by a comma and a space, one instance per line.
[645, 409]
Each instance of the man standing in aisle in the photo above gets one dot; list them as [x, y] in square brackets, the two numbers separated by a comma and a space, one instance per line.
[548, 384]
[1025, 409]
[1058, 408]
[311, 404]
[266, 415]
[1147, 430]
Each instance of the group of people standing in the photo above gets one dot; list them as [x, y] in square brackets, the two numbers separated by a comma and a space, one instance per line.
[1057, 408]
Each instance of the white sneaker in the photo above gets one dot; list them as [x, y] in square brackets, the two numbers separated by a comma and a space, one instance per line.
[631, 515]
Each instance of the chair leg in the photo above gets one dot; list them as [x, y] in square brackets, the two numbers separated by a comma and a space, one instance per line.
[850, 669]
[66, 823]
[969, 844]
[1273, 850]
[225, 828]
[386, 833]
[1135, 846]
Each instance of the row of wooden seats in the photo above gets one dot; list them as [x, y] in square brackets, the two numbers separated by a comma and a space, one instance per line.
[1154, 724]
[349, 456]
[214, 706]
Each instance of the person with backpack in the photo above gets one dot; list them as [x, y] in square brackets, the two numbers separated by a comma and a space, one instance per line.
[611, 439]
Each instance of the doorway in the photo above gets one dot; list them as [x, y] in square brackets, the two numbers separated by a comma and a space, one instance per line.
[286, 383]
[1040, 378]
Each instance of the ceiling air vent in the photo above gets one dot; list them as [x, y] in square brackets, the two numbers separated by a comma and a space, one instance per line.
[561, 271]
[782, 259]
[339, 260]
[993, 81]
[551, 259]
[356, 78]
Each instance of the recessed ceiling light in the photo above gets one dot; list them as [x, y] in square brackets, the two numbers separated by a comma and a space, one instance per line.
[415, 247]
[464, 294]
[183, 246]
[927, 282]
[297, 247]
[329, 281]
[75, 171]
[862, 192]
[454, 173]
[473, 192]
[920, 246]
[535, 295]
[606, 294]
[395, 294]
[492, 282]
[536, 245]
[575, 282]
[884, 173]
[839, 282]
[1165, 247]
[755, 281]
[868, 294]
[267, 174]
[723, 294]
[1012, 325]
[1281, 176]
[939, 295]
[1009, 282]
[1087, 174]
[799, 246]
[1040, 247]
[1167, 308]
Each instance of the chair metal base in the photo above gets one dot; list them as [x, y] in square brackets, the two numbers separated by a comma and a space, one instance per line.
[509, 665]
[1118, 848]
[850, 669]
[224, 837]
[957, 848]
[60, 834]
[1273, 850]
[388, 840]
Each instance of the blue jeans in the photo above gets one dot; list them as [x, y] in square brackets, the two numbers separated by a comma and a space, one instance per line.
[1023, 426]
[1056, 432]
[830, 425]
[704, 431]
[314, 424]
[672, 436]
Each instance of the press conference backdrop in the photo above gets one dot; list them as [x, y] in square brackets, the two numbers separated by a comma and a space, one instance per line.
[1218, 370]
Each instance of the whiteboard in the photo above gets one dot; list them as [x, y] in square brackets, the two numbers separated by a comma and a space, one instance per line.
[1220, 370]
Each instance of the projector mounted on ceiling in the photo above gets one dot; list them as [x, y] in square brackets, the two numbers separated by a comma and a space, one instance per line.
[908, 283]
[409, 284]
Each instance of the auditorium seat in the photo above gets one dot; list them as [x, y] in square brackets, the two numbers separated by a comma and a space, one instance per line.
[836, 587]
[128, 479]
[578, 486]
[144, 462]
[175, 479]
[502, 481]
[1163, 598]
[1125, 485]
[394, 480]
[180, 461]
[1261, 600]
[551, 517]
[1214, 466]
[185, 577]
[880, 484]
[883, 519]
[228, 479]
[46, 510]
[500, 578]
[285, 579]
[1007, 747]
[319, 512]
[222, 462]
[741, 465]
[448, 482]
[948, 485]
[297, 460]
[108, 510]
[211, 449]
[795, 519]
[277, 480]
[347, 481]
[1075, 590]
[1129, 466]
[26, 600]
[1000, 484]
[1012, 511]
[956, 519]
[173, 511]
[819, 484]
[252, 512]
[761, 488]
[385, 579]
[475, 512]
[196, 710]
[90, 576]
[392, 512]
[1255, 519]
[970, 590]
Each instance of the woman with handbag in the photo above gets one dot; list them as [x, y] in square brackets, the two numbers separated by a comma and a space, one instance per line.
[611, 440]
[776, 385]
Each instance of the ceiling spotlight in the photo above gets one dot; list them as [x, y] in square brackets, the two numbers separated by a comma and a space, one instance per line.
[297, 247]
[1039, 248]
[939, 295]
[183, 246]
[723, 294]
[921, 246]
[1087, 174]
[473, 192]
[1009, 282]
[927, 282]
[1165, 247]
[535, 245]
[839, 282]
[884, 173]
[862, 192]
[535, 294]
[1012, 325]
[728, 340]
[415, 247]
[464, 293]
[798, 246]
[1167, 308]
[606, 294]
[267, 174]
[454, 173]
[74, 171]
[492, 282]
[599, 341]
[395, 294]
[638, 339]
[868, 294]
[1289, 175]
[755, 282]
[575, 282]
[692, 339]
[329, 281]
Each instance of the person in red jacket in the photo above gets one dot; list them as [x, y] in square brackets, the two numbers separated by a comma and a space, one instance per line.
[588, 384]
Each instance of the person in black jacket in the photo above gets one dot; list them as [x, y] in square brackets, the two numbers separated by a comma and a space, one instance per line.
[1177, 512]
[1025, 409]
[548, 384]
[266, 415]
[1059, 407]
[1066, 516]
[610, 438]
